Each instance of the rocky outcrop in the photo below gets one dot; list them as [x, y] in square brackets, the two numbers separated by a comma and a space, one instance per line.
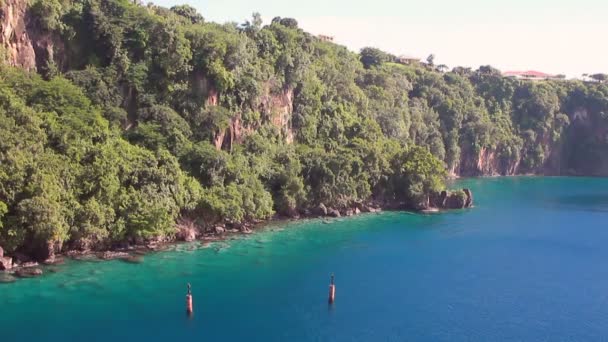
[187, 234]
[320, 210]
[333, 213]
[110, 255]
[26, 45]
[454, 201]
[245, 229]
[355, 208]
[458, 199]
[6, 263]
[278, 107]
[485, 162]
[370, 209]
[275, 107]
[15, 38]
[469, 200]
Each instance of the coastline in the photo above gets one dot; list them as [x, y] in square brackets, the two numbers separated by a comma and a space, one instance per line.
[134, 253]
[22, 266]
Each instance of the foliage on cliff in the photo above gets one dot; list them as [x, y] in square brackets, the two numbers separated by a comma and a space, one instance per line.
[149, 114]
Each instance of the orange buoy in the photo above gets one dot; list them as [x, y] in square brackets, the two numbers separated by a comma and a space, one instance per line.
[332, 290]
[189, 301]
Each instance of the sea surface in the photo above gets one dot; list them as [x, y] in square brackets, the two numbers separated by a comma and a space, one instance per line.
[528, 263]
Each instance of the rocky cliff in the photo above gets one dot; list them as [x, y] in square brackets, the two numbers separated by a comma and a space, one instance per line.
[578, 151]
[275, 108]
[22, 42]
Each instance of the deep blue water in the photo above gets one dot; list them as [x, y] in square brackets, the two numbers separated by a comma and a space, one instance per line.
[528, 263]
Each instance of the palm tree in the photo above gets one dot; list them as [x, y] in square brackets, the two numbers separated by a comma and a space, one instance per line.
[442, 68]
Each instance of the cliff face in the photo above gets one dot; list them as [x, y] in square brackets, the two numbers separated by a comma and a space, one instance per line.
[23, 44]
[485, 163]
[585, 148]
[580, 150]
[275, 108]
[15, 38]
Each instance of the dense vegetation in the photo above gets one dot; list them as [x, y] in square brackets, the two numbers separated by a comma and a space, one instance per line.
[148, 115]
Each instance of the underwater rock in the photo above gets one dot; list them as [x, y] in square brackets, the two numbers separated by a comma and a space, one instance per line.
[28, 272]
[133, 259]
[6, 278]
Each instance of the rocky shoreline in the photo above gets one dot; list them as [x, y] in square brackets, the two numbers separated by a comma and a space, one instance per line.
[22, 266]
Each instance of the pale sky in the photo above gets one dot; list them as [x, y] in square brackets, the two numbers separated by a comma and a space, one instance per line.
[554, 36]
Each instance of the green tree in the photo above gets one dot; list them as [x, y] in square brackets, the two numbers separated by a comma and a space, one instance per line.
[373, 57]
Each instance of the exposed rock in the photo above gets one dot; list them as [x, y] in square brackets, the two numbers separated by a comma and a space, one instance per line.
[333, 212]
[54, 261]
[455, 200]
[28, 272]
[369, 208]
[452, 199]
[321, 210]
[220, 230]
[52, 247]
[186, 230]
[6, 263]
[28, 264]
[187, 234]
[469, 200]
[1, 252]
[75, 254]
[349, 212]
[485, 162]
[140, 241]
[81, 244]
[357, 211]
[15, 37]
[109, 255]
[155, 247]
[23, 42]
[123, 245]
[290, 211]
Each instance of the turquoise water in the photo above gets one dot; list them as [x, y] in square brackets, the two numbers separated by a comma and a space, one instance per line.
[528, 263]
